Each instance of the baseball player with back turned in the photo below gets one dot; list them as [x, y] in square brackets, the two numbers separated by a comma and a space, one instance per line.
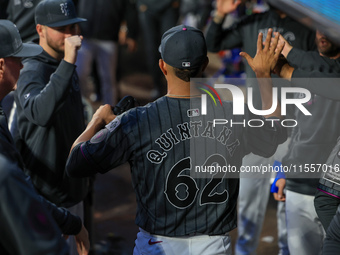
[179, 214]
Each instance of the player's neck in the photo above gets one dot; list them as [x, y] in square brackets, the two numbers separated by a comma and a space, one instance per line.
[182, 91]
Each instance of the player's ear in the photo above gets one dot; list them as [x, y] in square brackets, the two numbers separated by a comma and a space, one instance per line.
[2, 67]
[39, 29]
[163, 67]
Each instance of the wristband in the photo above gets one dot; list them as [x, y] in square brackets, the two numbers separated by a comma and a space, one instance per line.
[280, 175]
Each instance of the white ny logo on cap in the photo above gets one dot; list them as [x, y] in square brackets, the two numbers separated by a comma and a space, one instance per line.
[64, 9]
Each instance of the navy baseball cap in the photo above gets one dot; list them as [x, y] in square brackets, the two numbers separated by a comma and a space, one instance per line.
[56, 13]
[11, 44]
[183, 47]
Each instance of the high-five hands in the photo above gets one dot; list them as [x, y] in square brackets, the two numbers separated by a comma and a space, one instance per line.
[266, 57]
[287, 47]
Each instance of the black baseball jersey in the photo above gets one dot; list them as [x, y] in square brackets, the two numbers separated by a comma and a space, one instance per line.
[50, 117]
[26, 225]
[68, 223]
[169, 146]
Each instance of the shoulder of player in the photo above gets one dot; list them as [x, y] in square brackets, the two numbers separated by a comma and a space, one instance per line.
[43, 60]
[34, 72]
[137, 114]
[37, 67]
[31, 64]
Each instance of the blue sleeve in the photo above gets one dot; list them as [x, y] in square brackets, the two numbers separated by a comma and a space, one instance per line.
[277, 166]
[41, 94]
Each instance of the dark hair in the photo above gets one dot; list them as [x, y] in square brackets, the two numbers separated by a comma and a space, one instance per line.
[186, 74]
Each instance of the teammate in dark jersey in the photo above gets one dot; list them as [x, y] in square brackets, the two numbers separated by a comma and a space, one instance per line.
[179, 210]
[28, 221]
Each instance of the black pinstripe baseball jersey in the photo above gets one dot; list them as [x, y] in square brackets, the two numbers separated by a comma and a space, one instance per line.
[170, 146]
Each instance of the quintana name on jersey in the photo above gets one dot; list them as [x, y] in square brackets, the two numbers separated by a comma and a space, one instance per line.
[189, 130]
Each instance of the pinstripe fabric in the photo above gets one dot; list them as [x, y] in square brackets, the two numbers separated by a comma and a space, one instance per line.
[163, 146]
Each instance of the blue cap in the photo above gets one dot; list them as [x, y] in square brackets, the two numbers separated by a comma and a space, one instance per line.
[11, 44]
[183, 47]
[56, 13]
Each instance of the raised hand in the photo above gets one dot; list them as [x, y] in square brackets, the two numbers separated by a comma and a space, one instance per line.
[266, 58]
[224, 7]
[104, 113]
[82, 241]
[72, 45]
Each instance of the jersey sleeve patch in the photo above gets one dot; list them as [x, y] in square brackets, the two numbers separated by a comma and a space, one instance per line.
[113, 125]
[26, 96]
[99, 137]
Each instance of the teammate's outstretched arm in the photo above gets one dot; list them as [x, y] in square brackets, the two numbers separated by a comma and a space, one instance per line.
[263, 64]
[286, 48]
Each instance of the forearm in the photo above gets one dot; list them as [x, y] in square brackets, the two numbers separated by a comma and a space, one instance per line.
[39, 100]
[92, 128]
[219, 39]
[69, 224]
[79, 164]
[103, 116]
[286, 72]
[286, 49]
[301, 59]
[214, 37]
[266, 90]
